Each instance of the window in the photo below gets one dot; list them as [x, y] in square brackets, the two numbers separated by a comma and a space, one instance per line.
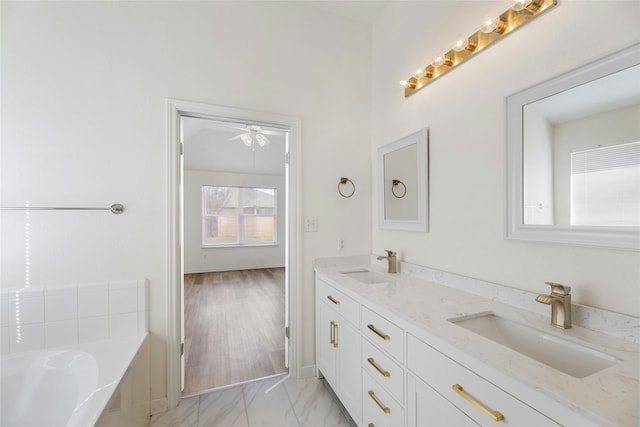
[235, 216]
[605, 186]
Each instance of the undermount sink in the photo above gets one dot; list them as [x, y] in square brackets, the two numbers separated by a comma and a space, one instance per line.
[571, 358]
[366, 276]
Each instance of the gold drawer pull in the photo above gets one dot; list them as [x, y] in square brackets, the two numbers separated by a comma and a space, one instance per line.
[332, 338]
[333, 300]
[495, 415]
[335, 335]
[378, 333]
[385, 409]
[378, 368]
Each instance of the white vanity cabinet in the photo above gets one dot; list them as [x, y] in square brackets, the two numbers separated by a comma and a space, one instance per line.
[383, 370]
[389, 372]
[425, 407]
[338, 345]
[473, 396]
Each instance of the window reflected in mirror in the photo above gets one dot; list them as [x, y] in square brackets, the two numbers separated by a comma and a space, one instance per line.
[581, 155]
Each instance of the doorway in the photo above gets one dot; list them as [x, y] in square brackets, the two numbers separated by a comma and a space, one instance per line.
[290, 129]
[233, 254]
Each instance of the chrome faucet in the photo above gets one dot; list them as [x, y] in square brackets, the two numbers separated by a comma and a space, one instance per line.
[560, 301]
[391, 258]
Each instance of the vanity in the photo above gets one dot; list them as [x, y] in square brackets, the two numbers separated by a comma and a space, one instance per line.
[423, 347]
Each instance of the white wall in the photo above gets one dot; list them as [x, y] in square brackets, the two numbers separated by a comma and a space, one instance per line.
[201, 260]
[537, 162]
[465, 112]
[84, 86]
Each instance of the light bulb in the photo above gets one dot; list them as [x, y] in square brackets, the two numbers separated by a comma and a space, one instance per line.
[419, 73]
[442, 60]
[519, 5]
[493, 25]
[461, 44]
[246, 139]
[261, 139]
[465, 43]
[404, 83]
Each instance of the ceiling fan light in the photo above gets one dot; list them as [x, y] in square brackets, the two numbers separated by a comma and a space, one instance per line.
[246, 139]
[261, 139]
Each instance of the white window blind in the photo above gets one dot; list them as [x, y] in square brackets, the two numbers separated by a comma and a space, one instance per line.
[233, 216]
[605, 186]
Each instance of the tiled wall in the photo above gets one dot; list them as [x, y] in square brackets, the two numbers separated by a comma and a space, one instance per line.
[35, 318]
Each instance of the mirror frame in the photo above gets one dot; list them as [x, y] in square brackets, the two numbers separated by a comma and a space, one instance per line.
[421, 139]
[606, 237]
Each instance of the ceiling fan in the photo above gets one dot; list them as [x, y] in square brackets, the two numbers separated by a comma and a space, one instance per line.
[253, 136]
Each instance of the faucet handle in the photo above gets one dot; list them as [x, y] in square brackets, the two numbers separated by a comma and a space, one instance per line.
[558, 289]
[390, 253]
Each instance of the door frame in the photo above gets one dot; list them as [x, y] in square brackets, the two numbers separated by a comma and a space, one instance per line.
[176, 109]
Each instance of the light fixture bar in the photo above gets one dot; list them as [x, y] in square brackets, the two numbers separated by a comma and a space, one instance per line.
[491, 31]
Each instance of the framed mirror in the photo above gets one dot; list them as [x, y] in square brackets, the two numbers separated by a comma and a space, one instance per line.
[403, 183]
[573, 145]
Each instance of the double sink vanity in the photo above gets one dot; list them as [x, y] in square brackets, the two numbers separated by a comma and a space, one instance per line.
[427, 348]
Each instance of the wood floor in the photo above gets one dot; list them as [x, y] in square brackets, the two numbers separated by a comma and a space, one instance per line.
[234, 327]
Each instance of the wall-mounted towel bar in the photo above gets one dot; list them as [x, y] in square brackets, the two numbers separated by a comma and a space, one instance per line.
[116, 208]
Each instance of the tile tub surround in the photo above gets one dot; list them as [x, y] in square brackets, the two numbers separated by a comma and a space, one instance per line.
[47, 317]
[608, 397]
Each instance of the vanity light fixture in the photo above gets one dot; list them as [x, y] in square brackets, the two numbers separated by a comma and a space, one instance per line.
[493, 29]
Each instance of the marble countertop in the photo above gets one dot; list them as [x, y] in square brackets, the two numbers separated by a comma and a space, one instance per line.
[609, 396]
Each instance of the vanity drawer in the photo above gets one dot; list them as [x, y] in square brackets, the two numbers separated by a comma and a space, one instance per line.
[383, 333]
[341, 303]
[383, 369]
[446, 375]
[378, 407]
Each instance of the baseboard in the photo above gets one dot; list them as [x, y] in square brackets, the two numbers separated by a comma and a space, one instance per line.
[230, 268]
[308, 371]
[158, 406]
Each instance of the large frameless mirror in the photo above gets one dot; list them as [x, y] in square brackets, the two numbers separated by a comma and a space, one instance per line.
[402, 182]
[574, 156]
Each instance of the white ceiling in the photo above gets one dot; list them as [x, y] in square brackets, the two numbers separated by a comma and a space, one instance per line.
[615, 91]
[207, 147]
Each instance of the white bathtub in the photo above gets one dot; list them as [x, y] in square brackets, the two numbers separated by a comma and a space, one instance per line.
[67, 386]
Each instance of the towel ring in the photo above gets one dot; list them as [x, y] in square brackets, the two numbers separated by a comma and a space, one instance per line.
[396, 183]
[344, 181]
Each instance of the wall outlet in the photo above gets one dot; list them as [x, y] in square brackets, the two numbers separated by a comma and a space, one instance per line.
[341, 243]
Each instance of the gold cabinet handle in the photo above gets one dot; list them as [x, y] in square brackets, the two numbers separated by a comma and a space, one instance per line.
[378, 333]
[331, 334]
[378, 368]
[495, 415]
[335, 335]
[385, 409]
[372, 425]
[333, 300]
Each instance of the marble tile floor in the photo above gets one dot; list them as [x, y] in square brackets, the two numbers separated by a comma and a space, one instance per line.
[291, 403]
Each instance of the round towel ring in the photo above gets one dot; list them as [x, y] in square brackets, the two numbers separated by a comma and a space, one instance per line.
[396, 183]
[343, 181]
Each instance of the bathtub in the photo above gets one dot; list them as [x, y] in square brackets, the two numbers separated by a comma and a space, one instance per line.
[68, 386]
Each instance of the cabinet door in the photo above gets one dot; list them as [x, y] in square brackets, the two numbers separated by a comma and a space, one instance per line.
[425, 407]
[325, 333]
[349, 375]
